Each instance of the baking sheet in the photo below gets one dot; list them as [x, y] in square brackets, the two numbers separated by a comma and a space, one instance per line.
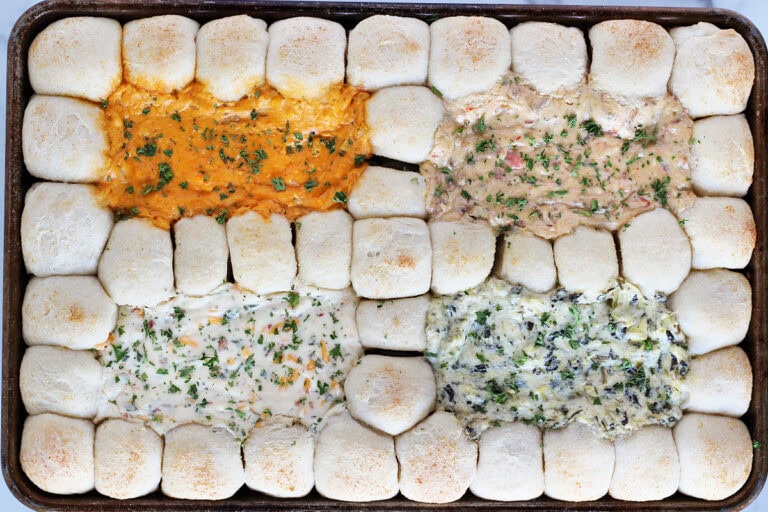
[18, 181]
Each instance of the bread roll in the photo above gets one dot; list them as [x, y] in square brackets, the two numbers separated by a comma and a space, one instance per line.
[261, 251]
[279, 459]
[462, 255]
[510, 466]
[577, 464]
[305, 57]
[57, 453]
[324, 248]
[647, 467]
[722, 156]
[468, 54]
[391, 258]
[388, 50]
[722, 232]
[681, 35]
[713, 72]
[201, 254]
[136, 267]
[715, 455]
[78, 56]
[128, 456]
[159, 53]
[713, 308]
[586, 261]
[631, 59]
[655, 252]
[402, 122]
[551, 57]
[63, 139]
[63, 229]
[384, 192]
[62, 381]
[201, 463]
[231, 56]
[398, 324]
[437, 460]
[391, 394]
[719, 382]
[68, 311]
[527, 260]
[354, 462]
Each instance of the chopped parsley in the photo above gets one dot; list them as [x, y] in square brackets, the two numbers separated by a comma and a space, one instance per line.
[660, 192]
[278, 184]
[360, 160]
[592, 128]
[292, 299]
[340, 197]
[480, 127]
[149, 149]
[482, 316]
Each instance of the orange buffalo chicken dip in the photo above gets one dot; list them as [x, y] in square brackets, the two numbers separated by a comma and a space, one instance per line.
[182, 154]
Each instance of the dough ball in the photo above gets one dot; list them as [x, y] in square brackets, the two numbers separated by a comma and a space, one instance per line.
[63, 229]
[391, 258]
[402, 122]
[159, 53]
[305, 57]
[715, 455]
[551, 57]
[391, 394]
[713, 308]
[78, 56]
[388, 50]
[57, 453]
[128, 457]
[354, 462]
[437, 460]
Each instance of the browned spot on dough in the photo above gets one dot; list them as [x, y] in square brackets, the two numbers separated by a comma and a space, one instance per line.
[76, 314]
[405, 261]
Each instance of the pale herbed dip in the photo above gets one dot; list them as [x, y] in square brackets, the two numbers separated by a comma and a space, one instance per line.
[546, 164]
[231, 358]
[502, 353]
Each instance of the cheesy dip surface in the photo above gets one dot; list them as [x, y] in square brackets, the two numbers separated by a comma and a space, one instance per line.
[546, 164]
[183, 154]
[502, 353]
[231, 358]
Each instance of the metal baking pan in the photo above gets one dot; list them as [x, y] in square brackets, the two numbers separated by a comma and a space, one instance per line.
[17, 181]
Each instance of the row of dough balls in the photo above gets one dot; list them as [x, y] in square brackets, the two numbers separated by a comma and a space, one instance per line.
[404, 115]
[710, 70]
[721, 232]
[703, 456]
[384, 254]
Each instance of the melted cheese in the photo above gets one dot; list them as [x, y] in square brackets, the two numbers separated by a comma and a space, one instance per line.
[183, 154]
[231, 358]
[503, 353]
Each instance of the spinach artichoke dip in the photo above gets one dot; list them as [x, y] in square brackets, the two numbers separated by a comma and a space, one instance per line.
[547, 164]
[501, 353]
[231, 358]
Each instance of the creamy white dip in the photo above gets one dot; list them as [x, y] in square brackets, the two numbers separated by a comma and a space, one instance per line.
[231, 358]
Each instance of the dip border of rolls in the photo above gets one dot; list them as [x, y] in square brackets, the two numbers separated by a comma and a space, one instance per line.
[76, 62]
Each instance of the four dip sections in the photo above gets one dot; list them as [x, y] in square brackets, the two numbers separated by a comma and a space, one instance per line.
[223, 291]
